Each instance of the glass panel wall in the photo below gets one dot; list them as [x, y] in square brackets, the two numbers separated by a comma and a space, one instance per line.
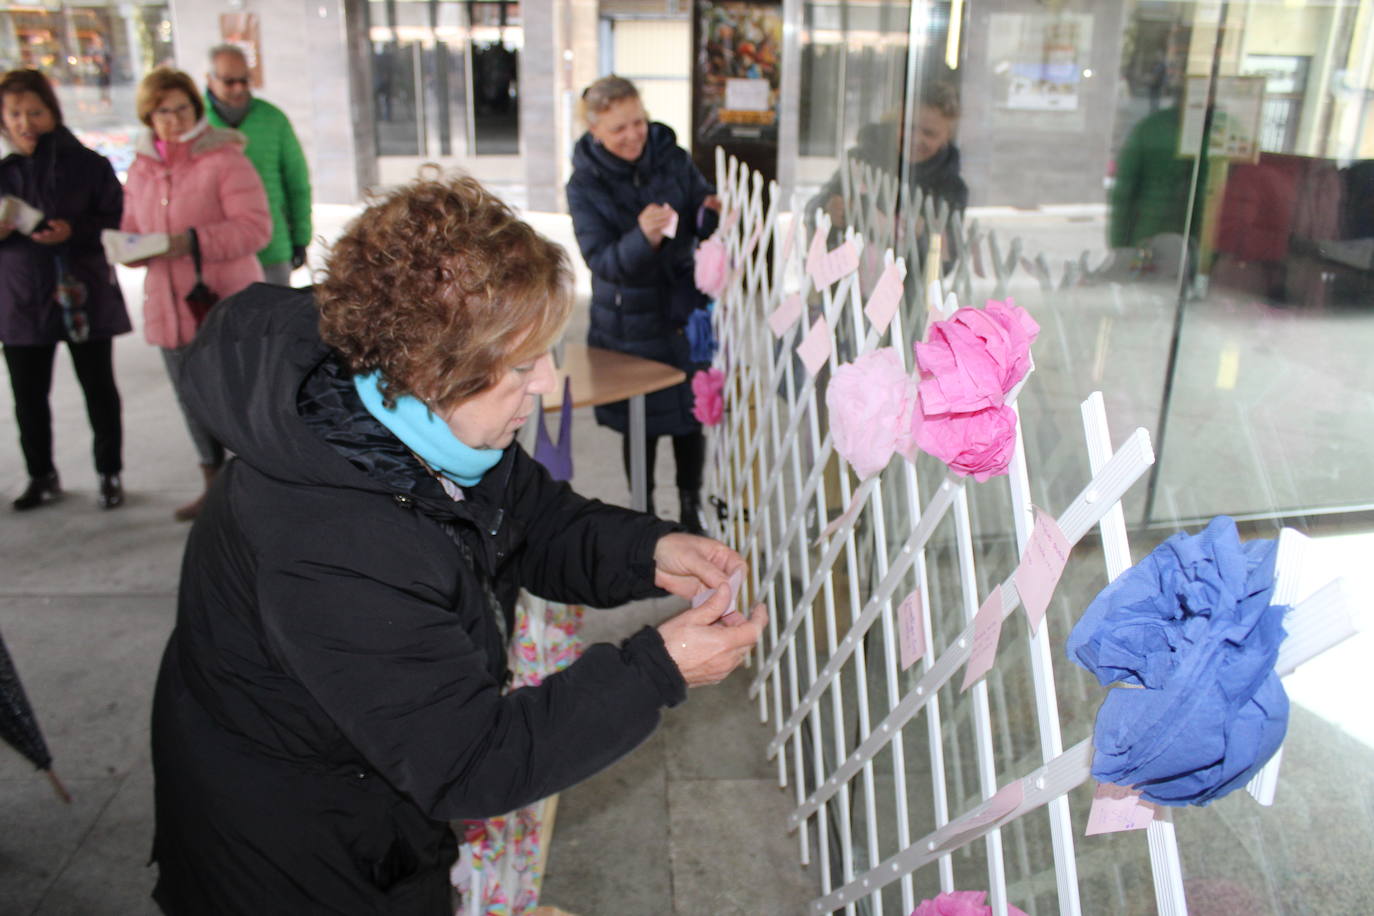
[95, 54]
[445, 77]
[1182, 195]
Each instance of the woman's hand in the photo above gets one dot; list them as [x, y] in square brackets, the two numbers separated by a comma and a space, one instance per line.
[712, 202]
[705, 653]
[653, 219]
[58, 231]
[686, 564]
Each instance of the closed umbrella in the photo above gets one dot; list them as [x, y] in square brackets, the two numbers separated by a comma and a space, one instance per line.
[18, 726]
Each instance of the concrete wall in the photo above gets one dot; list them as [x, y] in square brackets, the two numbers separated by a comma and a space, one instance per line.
[305, 60]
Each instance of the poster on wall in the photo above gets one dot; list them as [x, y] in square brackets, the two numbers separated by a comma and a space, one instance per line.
[1041, 58]
[1236, 118]
[241, 30]
[737, 80]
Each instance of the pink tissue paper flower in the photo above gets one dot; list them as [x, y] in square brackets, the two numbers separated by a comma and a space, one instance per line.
[978, 444]
[708, 405]
[872, 402]
[960, 903]
[974, 358]
[712, 269]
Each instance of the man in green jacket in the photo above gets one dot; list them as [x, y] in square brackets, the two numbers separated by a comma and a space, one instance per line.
[275, 153]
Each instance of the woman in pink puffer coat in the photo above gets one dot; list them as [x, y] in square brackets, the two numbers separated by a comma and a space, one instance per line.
[188, 176]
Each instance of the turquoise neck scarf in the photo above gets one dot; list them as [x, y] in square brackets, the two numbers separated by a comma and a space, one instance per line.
[427, 435]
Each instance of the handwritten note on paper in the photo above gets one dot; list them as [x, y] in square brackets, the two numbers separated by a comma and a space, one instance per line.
[836, 264]
[1007, 800]
[735, 584]
[815, 254]
[1117, 808]
[1047, 552]
[785, 315]
[911, 631]
[814, 349]
[887, 295]
[987, 630]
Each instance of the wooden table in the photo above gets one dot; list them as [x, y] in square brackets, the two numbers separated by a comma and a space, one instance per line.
[604, 377]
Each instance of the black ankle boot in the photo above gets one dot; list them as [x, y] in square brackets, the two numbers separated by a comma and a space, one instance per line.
[111, 491]
[690, 517]
[40, 490]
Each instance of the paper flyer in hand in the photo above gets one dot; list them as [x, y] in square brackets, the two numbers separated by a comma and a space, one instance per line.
[124, 247]
[20, 214]
[670, 230]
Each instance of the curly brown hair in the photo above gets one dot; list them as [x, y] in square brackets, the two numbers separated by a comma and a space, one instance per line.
[441, 288]
[157, 84]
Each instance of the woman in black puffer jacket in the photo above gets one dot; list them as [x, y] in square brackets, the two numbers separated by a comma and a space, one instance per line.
[42, 164]
[630, 179]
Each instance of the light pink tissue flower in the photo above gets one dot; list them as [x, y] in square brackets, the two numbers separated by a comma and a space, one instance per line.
[974, 358]
[871, 402]
[708, 405]
[712, 268]
[977, 444]
[960, 903]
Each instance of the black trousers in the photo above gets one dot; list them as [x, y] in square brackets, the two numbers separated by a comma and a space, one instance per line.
[31, 380]
[689, 452]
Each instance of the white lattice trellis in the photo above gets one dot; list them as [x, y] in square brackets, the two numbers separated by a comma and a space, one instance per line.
[833, 589]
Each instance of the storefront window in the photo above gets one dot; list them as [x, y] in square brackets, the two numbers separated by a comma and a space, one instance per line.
[1182, 195]
[95, 55]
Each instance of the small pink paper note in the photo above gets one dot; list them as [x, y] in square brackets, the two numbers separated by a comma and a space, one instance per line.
[735, 584]
[670, 230]
[753, 240]
[836, 264]
[1047, 552]
[785, 315]
[987, 630]
[815, 346]
[911, 632]
[1007, 800]
[815, 253]
[855, 504]
[791, 238]
[1117, 808]
[887, 294]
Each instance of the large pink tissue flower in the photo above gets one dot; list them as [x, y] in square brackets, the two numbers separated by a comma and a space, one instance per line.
[974, 358]
[712, 268]
[977, 444]
[960, 903]
[871, 402]
[708, 405]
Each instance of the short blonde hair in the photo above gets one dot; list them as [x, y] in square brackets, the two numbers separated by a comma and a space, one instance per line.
[602, 94]
[441, 288]
[157, 84]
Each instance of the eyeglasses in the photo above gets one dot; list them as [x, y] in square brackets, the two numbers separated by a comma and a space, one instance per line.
[176, 112]
[233, 80]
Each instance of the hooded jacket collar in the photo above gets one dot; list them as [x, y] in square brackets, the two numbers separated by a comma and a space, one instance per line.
[200, 140]
[590, 155]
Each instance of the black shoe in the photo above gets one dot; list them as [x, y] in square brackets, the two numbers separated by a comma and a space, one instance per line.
[690, 516]
[40, 490]
[111, 491]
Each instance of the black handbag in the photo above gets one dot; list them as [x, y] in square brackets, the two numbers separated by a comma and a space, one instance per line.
[201, 298]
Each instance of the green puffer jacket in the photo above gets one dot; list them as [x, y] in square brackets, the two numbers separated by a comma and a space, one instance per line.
[276, 154]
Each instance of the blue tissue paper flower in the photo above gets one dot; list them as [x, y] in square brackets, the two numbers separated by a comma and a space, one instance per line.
[1191, 624]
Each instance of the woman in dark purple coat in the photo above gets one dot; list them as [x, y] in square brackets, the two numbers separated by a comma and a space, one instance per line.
[55, 284]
